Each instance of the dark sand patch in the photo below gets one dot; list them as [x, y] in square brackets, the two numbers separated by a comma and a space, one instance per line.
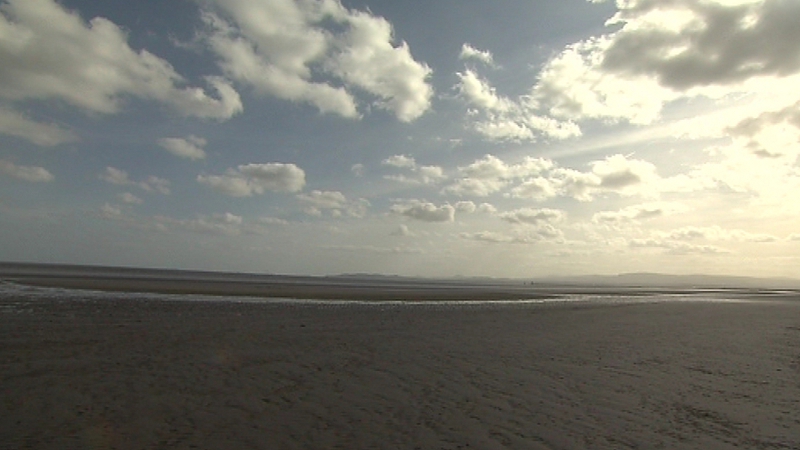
[153, 374]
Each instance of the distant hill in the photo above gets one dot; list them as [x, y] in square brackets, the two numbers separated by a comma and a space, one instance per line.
[644, 279]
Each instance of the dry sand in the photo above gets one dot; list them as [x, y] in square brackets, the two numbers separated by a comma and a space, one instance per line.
[142, 374]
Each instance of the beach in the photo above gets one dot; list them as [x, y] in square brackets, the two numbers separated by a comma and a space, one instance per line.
[147, 371]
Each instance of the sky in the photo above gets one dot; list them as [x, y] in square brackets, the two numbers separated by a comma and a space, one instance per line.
[443, 138]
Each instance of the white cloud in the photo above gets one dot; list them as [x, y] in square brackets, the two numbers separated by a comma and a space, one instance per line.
[333, 201]
[400, 161]
[466, 207]
[717, 233]
[280, 46]
[51, 53]
[477, 92]
[273, 221]
[419, 174]
[490, 167]
[357, 170]
[475, 187]
[15, 124]
[127, 197]
[468, 52]
[190, 147]
[121, 178]
[226, 224]
[614, 174]
[663, 51]
[498, 118]
[33, 174]
[676, 248]
[531, 216]
[424, 211]
[537, 188]
[637, 213]
[529, 235]
[403, 231]
[250, 179]
[109, 211]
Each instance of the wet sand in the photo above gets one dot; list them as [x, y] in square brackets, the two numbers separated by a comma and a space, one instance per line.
[146, 373]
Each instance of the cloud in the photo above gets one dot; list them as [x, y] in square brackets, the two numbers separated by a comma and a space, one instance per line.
[120, 178]
[400, 161]
[32, 174]
[127, 197]
[499, 118]
[531, 216]
[466, 207]
[771, 134]
[468, 52]
[419, 174]
[226, 224]
[676, 248]
[530, 235]
[190, 147]
[318, 53]
[659, 52]
[403, 231]
[717, 233]
[357, 170]
[636, 213]
[537, 188]
[746, 39]
[272, 221]
[425, 211]
[490, 174]
[333, 201]
[109, 211]
[18, 125]
[614, 174]
[250, 179]
[49, 52]
[541, 179]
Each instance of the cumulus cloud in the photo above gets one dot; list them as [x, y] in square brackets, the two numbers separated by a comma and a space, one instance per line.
[531, 216]
[614, 174]
[249, 179]
[318, 53]
[127, 197]
[190, 147]
[541, 179]
[416, 174]
[121, 178]
[676, 247]
[637, 213]
[717, 233]
[403, 231]
[333, 201]
[357, 170]
[227, 224]
[400, 161]
[18, 125]
[499, 118]
[490, 174]
[49, 52]
[662, 51]
[771, 134]
[109, 211]
[424, 211]
[32, 174]
[468, 52]
[530, 235]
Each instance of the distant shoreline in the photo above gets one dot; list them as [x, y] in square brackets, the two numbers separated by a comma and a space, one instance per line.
[362, 287]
